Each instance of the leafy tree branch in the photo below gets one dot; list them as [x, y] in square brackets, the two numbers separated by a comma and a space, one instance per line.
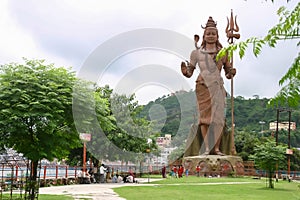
[286, 29]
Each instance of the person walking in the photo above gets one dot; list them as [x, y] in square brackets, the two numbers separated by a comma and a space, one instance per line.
[102, 173]
[198, 170]
[163, 172]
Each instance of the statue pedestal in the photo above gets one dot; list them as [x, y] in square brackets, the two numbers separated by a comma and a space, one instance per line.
[214, 165]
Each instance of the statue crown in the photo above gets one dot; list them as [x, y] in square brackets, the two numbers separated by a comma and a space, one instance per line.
[210, 23]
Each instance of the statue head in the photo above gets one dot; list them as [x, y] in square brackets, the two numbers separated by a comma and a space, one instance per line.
[210, 34]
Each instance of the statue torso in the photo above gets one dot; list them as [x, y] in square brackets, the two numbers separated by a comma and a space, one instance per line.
[209, 69]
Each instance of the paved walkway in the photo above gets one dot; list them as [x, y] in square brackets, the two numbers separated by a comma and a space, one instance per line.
[90, 191]
[105, 191]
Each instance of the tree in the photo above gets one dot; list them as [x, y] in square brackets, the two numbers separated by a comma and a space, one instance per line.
[92, 114]
[117, 133]
[36, 112]
[128, 141]
[286, 29]
[295, 160]
[267, 155]
[245, 143]
[134, 130]
[176, 154]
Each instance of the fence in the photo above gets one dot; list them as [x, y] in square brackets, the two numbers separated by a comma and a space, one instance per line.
[17, 174]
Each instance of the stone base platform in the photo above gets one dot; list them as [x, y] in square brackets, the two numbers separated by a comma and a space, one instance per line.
[214, 165]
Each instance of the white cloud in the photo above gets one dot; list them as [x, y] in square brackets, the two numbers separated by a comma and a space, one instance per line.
[66, 32]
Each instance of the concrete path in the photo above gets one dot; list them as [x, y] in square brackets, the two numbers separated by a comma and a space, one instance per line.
[90, 191]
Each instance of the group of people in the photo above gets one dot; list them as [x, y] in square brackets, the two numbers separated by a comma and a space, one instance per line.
[178, 171]
[129, 178]
[119, 179]
[84, 177]
[94, 175]
[104, 174]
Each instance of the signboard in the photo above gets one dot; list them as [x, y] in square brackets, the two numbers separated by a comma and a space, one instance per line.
[85, 137]
[289, 151]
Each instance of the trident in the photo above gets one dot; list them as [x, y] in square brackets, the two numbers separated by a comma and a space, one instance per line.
[230, 29]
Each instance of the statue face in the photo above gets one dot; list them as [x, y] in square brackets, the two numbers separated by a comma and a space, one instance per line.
[211, 35]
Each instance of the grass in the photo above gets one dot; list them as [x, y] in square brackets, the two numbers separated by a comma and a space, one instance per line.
[211, 188]
[54, 197]
[41, 197]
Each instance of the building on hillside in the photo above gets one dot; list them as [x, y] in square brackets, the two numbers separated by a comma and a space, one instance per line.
[164, 144]
[162, 159]
[164, 141]
[282, 125]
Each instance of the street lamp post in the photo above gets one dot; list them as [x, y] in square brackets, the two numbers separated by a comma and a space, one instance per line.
[149, 141]
[289, 144]
[85, 137]
[262, 127]
[279, 110]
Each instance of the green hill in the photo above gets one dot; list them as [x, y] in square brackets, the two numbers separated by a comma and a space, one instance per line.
[180, 112]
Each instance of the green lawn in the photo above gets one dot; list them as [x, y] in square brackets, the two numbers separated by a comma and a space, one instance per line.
[54, 197]
[41, 197]
[211, 188]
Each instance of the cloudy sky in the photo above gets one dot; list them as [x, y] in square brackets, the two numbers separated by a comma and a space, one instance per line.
[137, 46]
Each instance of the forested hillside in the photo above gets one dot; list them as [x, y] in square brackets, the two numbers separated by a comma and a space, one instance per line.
[247, 113]
[180, 114]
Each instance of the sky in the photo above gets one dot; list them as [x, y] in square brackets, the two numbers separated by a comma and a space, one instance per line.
[137, 46]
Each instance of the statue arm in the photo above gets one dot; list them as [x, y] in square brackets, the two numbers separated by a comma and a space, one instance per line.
[229, 70]
[187, 70]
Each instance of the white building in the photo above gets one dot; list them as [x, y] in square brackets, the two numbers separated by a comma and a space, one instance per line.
[282, 125]
[164, 141]
[163, 157]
